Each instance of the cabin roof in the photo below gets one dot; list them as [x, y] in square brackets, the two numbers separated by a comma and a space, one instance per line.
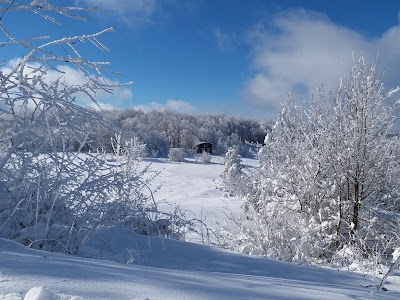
[202, 143]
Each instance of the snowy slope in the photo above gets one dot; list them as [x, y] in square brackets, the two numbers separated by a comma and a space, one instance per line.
[130, 266]
[175, 270]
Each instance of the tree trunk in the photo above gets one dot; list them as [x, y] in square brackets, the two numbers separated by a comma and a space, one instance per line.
[356, 207]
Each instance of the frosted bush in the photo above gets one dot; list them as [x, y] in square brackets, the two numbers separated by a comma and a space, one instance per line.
[176, 154]
[53, 196]
[204, 157]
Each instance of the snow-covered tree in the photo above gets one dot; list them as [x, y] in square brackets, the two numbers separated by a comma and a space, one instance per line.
[327, 186]
[233, 176]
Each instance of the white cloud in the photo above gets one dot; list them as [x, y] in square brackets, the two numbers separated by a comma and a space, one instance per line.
[179, 105]
[120, 96]
[131, 12]
[301, 50]
[102, 106]
[174, 105]
[138, 12]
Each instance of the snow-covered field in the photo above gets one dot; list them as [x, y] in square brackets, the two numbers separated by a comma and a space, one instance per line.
[140, 267]
[196, 188]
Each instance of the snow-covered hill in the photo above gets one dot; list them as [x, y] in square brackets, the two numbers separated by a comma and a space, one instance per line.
[125, 265]
[172, 270]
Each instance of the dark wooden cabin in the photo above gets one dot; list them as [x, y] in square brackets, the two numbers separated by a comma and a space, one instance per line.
[203, 147]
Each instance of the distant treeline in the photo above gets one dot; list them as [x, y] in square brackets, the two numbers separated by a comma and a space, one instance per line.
[162, 130]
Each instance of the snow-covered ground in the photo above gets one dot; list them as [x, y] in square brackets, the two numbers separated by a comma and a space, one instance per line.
[196, 188]
[125, 265]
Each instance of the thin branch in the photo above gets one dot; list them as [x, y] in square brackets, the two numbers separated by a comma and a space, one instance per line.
[8, 7]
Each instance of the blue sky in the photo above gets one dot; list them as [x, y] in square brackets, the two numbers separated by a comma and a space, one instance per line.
[229, 56]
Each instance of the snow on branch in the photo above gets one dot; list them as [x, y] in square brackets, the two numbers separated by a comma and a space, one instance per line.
[39, 7]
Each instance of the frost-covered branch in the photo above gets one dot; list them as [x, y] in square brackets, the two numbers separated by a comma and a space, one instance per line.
[55, 193]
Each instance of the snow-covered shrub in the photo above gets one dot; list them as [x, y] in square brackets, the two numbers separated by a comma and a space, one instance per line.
[233, 177]
[179, 223]
[56, 193]
[146, 226]
[134, 149]
[204, 157]
[34, 211]
[61, 201]
[54, 196]
[154, 153]
[327, 186]
[176, 154]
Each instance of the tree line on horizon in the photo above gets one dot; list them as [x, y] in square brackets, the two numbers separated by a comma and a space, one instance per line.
[162, 130]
